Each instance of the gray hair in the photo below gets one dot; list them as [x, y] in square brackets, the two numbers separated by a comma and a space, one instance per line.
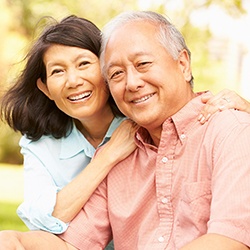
[169, 36]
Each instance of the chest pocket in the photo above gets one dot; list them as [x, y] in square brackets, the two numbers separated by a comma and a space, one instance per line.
[193, 210]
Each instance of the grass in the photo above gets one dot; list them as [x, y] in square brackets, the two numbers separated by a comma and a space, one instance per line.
[9, 219]
[11, 195]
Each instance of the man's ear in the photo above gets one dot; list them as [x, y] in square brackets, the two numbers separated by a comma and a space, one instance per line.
[43, 87]
[185, 65]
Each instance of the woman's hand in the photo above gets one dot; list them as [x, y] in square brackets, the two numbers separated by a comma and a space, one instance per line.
[73, 196]
[121, 143]
[225, 99]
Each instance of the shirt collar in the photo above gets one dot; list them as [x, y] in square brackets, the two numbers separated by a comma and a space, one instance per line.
[75, 142]
[114, 124]
[183, 120]
[186, 117]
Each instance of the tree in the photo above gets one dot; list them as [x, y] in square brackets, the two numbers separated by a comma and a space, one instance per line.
[18, 28]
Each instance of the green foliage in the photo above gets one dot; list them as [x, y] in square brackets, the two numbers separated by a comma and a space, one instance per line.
[31, 11]
[232, 7]
[18, 25]
[9, 148]
[9, 219]
[11, 195]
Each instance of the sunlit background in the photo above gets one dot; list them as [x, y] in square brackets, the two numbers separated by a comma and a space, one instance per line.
[216, 31]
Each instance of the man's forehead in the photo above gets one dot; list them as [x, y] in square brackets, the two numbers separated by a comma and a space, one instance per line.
[132, 26]
[129, 40]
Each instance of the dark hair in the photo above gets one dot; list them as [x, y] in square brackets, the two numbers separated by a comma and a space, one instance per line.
[24, 107]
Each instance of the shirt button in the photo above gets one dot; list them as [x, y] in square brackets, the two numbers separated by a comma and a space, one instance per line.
[182, 136]
[164, 159]
[164, 200]
[161, 239]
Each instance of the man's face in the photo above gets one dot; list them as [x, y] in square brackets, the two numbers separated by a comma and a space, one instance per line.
[147, 84]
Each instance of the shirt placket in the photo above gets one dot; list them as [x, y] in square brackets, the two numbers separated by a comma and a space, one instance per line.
[164, 166]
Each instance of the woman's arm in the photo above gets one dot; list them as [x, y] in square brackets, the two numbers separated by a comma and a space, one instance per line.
[74, 195]
[39, 192]
[225, 99]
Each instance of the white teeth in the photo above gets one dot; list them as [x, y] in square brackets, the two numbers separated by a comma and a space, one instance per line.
[79, 97]
[144, 98]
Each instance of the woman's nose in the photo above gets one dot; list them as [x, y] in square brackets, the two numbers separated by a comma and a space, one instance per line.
[74, 78]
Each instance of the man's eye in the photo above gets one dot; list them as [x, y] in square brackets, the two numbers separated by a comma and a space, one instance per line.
[116, 74]
[143, 64]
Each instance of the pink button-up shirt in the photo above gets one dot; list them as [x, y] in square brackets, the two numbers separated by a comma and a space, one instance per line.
[196, 182]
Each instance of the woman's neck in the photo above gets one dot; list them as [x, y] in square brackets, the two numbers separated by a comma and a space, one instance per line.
[95, 128]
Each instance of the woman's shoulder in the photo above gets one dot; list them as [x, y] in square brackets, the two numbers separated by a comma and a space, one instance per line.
[45, 140]
[70, 145]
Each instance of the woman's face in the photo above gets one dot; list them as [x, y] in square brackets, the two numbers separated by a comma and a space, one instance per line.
[74, 82]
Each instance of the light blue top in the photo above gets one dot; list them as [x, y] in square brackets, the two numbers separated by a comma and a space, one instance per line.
[50, 164]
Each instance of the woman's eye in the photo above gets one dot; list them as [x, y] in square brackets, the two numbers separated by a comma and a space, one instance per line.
[84, 63]
[56, 71]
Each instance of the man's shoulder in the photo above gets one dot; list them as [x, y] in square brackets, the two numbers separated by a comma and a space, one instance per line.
[231, 117]
[227, 122]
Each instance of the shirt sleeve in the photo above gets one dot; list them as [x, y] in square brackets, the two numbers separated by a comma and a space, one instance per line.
[91, 229]
[231, 184]
[39, 196]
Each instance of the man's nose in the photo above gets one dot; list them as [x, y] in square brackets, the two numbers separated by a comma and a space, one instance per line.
[134, 80]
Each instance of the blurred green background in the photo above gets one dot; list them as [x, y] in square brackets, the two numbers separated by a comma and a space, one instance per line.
[216, 31]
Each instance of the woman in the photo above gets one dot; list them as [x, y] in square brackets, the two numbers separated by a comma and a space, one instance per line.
[62, 106]
[55, 105]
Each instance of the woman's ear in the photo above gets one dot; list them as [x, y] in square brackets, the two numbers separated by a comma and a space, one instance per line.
[185, 65]
[43, 87]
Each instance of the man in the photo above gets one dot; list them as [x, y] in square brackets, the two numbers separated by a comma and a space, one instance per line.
[186, 186]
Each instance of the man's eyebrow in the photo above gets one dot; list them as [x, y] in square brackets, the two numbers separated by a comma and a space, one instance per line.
[109, 66]
[137, 54]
